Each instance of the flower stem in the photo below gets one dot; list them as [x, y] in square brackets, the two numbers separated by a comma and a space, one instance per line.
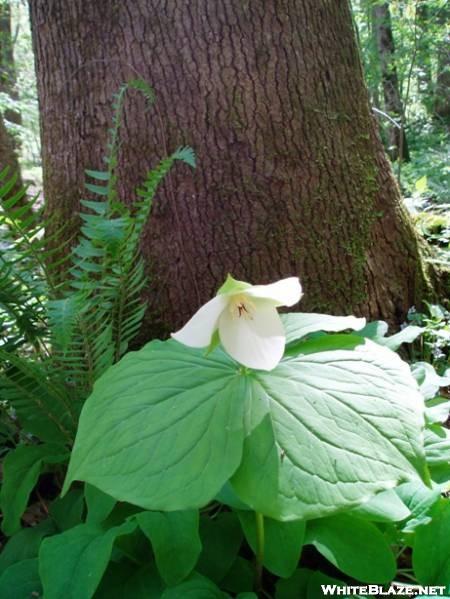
[259, 550]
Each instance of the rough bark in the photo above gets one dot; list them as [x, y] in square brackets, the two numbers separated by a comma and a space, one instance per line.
[291, 178]
[398, 146]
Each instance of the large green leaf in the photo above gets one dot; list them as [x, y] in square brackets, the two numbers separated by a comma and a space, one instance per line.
[221, 539]
[419, 498]
[384, 507]
[175, 541]
[431, 553]
[328, 428]
[67, 511]
[325, 430]
[99, 504]
[24, 545]
[294, 587]
[196, 587]
[72, 564]
[163, 428]
[125, 580]
[21, 580]
[283, 542]
[378, 329]
[354, 546]
[299, 324]
[21, 470]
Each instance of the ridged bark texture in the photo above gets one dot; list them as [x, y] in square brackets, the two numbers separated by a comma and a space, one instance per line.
[291, 176]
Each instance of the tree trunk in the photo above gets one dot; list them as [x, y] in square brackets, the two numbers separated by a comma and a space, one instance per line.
[8, 156]
[398, 146]
[7, 66]
[291, 177]
[442, 87]
[9, 144]
[424, 53]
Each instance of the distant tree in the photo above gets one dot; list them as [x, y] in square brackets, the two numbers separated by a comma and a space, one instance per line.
[9, 144]
[442, 89]
[398, 146]
[424, 52]
[292, 178]
[8, 155]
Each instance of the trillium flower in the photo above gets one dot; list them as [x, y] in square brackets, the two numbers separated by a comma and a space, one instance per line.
[246, 319]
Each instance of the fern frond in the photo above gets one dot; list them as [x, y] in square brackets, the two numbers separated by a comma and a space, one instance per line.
[95, 322]
[40, 403]
[24, 228]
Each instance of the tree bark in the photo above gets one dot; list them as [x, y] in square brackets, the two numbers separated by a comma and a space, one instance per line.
[398, 146]
[291, 179]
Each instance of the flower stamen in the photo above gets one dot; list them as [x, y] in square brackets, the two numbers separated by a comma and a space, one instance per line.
[241, 306]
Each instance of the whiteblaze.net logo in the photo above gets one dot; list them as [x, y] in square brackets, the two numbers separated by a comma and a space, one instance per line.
[376, 590]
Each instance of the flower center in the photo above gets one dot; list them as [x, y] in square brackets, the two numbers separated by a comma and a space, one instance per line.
[241, 307]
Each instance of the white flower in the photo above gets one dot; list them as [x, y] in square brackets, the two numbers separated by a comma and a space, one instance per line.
[246, 319]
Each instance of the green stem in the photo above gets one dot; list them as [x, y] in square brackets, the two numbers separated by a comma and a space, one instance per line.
[259, 550]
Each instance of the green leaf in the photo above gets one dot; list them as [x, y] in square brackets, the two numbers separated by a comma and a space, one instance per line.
[21, 470]
[406, 335]
[354, 546]
[240, 577]
[67, 511]
[428, 379]
[437, 445]
[183, 410]
[327, 430]
[197, 587]
[81, 555]
[123, 580]
[21, 580]
[421, 184]
[437, 410]
[99, 175]
[419, 499]
[186, 155]
[374, 330]
[25, 544]
[227, 496]
[315, 582]
[175, 541]
[98, 189]
[283, 542]
[99, 504]
[378, 329]
[221, 539]
[294, 587]
[431, 552]
[299, 324]
[383, 507]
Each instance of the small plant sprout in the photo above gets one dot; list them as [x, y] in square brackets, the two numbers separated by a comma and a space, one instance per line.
[246, 319]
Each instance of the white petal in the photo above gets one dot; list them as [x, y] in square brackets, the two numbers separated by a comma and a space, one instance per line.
[197, 332]
[286, 292]
[257, 341]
